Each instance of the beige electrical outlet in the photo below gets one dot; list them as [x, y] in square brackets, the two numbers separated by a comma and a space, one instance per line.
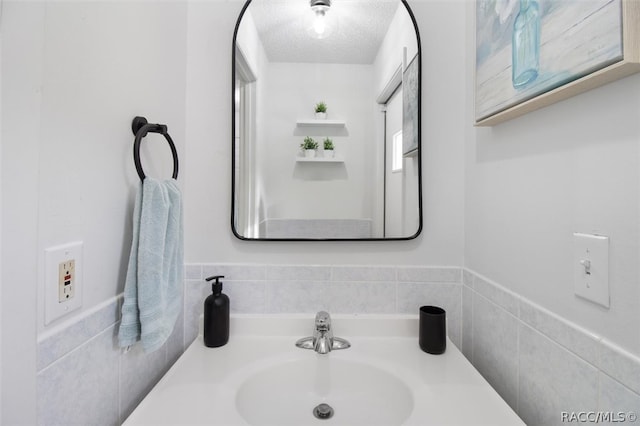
[62, 280]
[66, 280]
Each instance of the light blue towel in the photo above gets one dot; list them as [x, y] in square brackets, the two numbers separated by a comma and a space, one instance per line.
[153, 287]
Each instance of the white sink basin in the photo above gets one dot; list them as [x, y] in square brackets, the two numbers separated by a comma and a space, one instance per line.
[260, 378]
[286, 394]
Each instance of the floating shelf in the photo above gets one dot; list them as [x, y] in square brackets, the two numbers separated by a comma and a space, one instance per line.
[321, 123]
[320, 160]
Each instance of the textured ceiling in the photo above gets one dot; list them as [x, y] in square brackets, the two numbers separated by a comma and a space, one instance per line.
[355, 30]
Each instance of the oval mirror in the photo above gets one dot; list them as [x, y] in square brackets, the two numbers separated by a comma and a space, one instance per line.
[326, 121]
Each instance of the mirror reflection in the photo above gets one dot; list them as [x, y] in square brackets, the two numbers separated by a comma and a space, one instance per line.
[326, 129]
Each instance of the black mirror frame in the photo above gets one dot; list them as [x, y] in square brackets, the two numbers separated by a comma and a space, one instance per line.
[233, 143]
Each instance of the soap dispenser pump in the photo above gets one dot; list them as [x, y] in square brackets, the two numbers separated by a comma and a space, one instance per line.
[216, 315]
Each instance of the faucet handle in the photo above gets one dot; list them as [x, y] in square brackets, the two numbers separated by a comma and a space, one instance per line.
[323, 321]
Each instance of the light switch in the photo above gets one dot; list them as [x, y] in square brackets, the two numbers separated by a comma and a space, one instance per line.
[591, 267]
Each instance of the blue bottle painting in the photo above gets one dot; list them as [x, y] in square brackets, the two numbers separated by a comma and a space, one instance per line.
[525, 45]
[528, 47]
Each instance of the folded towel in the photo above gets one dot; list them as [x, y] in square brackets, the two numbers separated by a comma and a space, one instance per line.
[153, 287]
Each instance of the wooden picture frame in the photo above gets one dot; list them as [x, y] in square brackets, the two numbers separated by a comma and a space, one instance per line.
[628, 63]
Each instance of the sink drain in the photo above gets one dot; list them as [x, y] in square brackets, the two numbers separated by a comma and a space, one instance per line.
[323, 412]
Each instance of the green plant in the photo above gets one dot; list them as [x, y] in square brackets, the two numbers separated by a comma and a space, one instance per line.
[309, 143]
[328, 144]
[321, 107]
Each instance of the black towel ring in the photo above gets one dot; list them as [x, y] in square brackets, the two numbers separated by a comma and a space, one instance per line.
[140, 128]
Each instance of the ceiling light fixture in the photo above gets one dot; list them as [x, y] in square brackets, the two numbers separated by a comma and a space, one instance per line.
[320, 8]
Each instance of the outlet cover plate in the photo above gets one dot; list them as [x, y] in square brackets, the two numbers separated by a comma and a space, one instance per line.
[54, 256]
[591, 267]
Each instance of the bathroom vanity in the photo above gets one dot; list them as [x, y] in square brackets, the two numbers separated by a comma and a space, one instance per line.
[261, 378]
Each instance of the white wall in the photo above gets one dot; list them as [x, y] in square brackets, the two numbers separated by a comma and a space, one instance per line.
[86, 175]
[390, 55]
[410, 211]
[22, 44]
[249, 41]
[288, 92]
[254, 100]
[74, 75]
[317, 191]
[207, 212]
[533, 181]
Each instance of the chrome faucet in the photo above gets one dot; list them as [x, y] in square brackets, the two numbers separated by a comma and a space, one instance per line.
[322, 340]
[322, 335]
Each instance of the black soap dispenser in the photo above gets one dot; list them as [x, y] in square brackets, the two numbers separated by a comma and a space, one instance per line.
[216, 315]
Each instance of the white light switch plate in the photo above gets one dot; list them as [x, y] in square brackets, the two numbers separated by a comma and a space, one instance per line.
[60, 301]
[591, 267]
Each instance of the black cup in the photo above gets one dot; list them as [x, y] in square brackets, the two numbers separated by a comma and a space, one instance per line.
[433, 330]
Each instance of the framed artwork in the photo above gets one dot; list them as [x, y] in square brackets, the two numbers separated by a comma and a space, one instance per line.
[532, 53]
[410, 105]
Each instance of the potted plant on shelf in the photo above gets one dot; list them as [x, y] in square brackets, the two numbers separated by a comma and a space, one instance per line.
[328, 147]
[321, 110]
[309, 147]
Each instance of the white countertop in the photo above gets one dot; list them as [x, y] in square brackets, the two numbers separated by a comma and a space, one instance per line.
[201, 387]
